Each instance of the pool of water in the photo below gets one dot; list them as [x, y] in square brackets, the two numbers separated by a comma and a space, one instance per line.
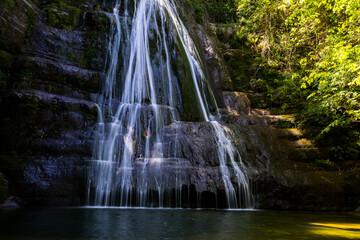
[101, 223]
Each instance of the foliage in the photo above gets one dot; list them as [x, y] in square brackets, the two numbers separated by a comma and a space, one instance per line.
[308, 59]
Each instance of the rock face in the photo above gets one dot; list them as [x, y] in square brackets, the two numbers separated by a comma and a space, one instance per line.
[277, 160]
[48, 118]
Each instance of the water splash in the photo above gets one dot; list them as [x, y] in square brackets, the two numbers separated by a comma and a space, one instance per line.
[139, 97]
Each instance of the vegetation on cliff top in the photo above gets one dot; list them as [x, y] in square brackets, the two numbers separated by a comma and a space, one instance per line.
[299, 56]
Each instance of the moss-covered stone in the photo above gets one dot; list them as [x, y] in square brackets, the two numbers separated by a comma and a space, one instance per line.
[26, 77]
[6, 60]
[190, 103]
[61, 15]
[10, 3]
[3, 79]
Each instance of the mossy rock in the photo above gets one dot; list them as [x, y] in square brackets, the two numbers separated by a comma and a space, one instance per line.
[10, 3]
[6, 60]
[3, 80]
[61, 15]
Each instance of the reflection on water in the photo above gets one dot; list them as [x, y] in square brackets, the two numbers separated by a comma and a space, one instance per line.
[350, 226]
[97, 223]
[344, 230]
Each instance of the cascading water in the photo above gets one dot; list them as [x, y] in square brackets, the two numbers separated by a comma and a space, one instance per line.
[141, 95]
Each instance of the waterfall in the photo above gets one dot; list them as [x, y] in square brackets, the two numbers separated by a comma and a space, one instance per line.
[141, 94]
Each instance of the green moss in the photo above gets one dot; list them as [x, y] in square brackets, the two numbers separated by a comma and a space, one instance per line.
[102, 18]
[50, 88]
[89, 55]
[100, 22]
[61, 15]
[26, 78]
[199, 12]
[83, 62]
[6, 60]
[190, 102]
[10, 3]
[97, 8]
[31, 108]
[3, 80]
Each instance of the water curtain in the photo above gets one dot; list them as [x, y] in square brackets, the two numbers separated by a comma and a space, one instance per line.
[151, 59]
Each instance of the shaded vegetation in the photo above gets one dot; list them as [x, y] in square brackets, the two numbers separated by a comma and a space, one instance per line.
[313, 46]
[301, 57]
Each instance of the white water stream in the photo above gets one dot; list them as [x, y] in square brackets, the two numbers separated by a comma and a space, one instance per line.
[139, 97]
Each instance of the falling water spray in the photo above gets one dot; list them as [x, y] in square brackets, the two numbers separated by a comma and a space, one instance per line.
[138, 98]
